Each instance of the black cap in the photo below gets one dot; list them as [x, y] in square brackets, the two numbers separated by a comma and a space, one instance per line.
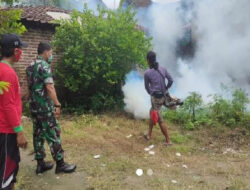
[12, 41]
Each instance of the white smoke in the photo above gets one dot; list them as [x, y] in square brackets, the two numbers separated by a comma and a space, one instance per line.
[112, 4]
[165, 26]
[221, 30]
[223, 36]
[136, 99]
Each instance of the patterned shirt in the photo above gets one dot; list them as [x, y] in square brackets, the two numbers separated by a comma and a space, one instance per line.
[38, 75]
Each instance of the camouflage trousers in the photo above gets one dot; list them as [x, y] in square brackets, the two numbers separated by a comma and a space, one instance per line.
[46, 127]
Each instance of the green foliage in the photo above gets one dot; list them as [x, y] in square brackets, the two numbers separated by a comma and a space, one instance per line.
[178, 138]
[26, 110]
[179, 116]
[9, 22]
[8, 2]
[35, 2]
[245, 121]
[4, 86]
[192, 103]
[190, 126]
[228, 112]
[240, 101]
[97, 53]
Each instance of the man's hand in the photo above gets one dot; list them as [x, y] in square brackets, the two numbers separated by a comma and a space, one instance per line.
[21, 140]
[57, 112]
[52, 94]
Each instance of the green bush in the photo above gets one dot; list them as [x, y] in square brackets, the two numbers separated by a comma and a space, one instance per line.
[190, 126]
[10, 22]
[245, 121]
[26, 110]
[97, 52]
[230, 112]
[179, 138]
[179, 116]
[192, 103]
[227, 112]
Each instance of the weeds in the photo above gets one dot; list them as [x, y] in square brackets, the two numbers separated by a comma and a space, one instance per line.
[220, 111]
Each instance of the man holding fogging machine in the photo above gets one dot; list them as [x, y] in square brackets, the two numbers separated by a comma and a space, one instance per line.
[156, 87]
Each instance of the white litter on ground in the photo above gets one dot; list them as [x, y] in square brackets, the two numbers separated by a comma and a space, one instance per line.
[57, 177]
[129, 136]
[139, 172]
[184, 166]
[229, 150]
[97, 156]
[150, 172]
[149, 148]
[178, 154]
[174, 181]
[151, 152]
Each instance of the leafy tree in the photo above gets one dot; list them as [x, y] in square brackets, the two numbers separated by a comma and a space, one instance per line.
[97, 53]
[8, 2]
[58, 3]
[230, 112]
[192, 103]
[9, 22]
[221, 109]
[240, 100]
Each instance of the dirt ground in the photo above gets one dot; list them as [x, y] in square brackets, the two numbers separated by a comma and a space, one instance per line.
[210, 158]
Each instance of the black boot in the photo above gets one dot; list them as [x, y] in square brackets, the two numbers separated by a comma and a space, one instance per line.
[63, 167]
[43, 166]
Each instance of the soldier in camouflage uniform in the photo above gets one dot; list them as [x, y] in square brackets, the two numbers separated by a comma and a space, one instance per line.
[45, 109]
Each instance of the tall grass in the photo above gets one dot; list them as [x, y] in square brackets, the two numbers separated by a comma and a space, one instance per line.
[195, 113]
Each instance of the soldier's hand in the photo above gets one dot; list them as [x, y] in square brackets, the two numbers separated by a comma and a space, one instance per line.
[21, 140]
[57, 112]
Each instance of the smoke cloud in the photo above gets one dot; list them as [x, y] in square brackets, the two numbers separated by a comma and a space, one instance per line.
[136, 99]
[221, 32]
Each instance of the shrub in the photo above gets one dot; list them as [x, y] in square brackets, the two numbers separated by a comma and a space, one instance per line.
[9, 22]
[220, 111]
[192, 104]
[97, 53]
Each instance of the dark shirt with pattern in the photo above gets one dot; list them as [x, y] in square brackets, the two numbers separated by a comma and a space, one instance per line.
[38, 75]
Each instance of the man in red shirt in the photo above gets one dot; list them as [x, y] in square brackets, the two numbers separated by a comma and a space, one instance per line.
[11, 133]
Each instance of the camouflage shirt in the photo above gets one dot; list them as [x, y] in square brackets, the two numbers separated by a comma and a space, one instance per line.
[38, 75]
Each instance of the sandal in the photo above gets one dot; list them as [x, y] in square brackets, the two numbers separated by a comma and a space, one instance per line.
[167, 144]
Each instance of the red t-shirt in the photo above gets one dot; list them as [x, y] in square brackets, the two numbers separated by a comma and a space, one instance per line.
[10, 102]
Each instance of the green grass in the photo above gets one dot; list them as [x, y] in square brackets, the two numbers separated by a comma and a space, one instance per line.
[88, 135]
